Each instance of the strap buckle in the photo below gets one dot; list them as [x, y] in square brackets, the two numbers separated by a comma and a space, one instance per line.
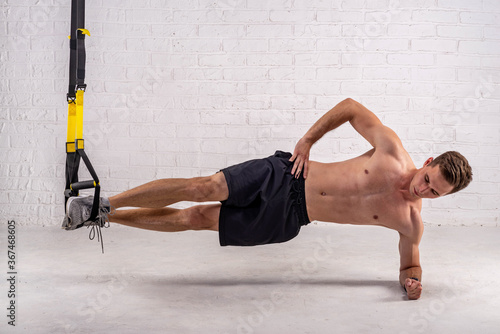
[71, 98]
[81, 87]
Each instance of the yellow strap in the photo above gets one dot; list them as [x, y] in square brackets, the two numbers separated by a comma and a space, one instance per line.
[79, 114]
[71, 125]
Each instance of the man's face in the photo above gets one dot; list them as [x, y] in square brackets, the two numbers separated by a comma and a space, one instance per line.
[428, 182]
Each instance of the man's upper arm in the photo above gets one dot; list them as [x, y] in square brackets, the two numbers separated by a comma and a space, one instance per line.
[367, 124]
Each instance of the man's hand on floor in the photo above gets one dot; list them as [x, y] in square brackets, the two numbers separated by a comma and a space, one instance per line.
[413, 288]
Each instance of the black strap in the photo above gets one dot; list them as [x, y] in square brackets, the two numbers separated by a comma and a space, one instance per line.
[77, 56]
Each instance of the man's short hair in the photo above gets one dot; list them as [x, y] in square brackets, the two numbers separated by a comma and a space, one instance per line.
[455, 169]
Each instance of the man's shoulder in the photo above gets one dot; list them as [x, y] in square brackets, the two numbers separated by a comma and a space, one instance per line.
[396, 158]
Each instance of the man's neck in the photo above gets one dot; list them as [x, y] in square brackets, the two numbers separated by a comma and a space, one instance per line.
[405, 184]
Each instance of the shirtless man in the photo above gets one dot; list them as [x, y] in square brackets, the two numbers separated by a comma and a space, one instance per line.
[381, 187]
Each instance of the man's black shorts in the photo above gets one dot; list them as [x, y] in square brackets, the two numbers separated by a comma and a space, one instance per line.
[266, 204]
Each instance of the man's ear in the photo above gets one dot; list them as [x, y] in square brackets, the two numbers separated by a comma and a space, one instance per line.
[428, 161]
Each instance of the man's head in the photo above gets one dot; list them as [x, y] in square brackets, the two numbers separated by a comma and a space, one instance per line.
[455, 170]
[444, 175]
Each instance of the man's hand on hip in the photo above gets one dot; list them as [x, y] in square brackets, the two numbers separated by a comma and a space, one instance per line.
[301, 158]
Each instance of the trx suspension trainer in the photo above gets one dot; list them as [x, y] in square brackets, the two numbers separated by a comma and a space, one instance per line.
[74, 142]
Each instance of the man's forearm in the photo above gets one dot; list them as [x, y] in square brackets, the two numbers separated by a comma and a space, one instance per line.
[412, 272]
[337, 116]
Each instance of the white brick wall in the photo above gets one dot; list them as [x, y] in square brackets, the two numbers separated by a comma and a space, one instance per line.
[180, 88]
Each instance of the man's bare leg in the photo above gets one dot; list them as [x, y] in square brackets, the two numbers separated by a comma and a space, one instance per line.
[153, 197]
[161, 193]
[199, 217]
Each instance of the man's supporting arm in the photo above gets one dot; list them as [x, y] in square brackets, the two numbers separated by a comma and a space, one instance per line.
[410, 272]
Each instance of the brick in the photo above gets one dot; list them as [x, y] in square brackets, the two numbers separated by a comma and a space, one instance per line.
[221, 4]
[313, 4]
[436, 45]
[196, 45]
[433, 15]
[353, 4]
[476, 134]
[244, 45]
[410, 89]
[174, 60]
[142, 159]
[392, 73]
[491, 6]
[292, 16]
[221, 88]
[475, 32]
[384, 17]
[269, 59]
[458, 60]
[364, 58]
[316, 58]
[459, 4]
[291, 73]
[148, 15]
[317, 88]
[219, 30]
[292, 103]
[270, 88]
[196, 16]
[246, 16]
[21, 57]
[226, 60]
[224, 146]
[479, 47]
[245, 132]
[287, 45]
[274, 117]
[269, 4]
[269, 30]
[339, 16]
[433, 74]
[247, 102]
[421, 30]
[489, 202]
[362, 88]
[385, 44]
[372, 30]
[479, 18]
[223, 118]
[198, 74]
[492, 32]
[485, 79]
[410, 59]
[317, 30]
[138, 30]
[190, 131]
[16, 13]
[245, 74]
[340, 44]
[332, 73]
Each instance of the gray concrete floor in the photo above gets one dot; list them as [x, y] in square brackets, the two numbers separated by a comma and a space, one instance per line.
[330, 279]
